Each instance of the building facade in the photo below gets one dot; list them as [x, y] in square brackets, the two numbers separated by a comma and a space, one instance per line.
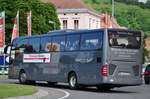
[73, 14]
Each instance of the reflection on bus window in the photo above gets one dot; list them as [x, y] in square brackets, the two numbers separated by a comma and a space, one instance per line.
[91, 41]
[45, 44]
[34, 45]
[72, 42]
[58, 43]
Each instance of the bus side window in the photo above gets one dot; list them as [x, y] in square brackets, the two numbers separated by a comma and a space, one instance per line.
[34, 45]
[91, 41]
[46, 44]
[72, 42]
[21, 45]
[58, 43]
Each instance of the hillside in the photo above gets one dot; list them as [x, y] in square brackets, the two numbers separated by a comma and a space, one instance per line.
[130, 16]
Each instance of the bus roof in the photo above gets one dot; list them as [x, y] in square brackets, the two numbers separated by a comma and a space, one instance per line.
[64, 32]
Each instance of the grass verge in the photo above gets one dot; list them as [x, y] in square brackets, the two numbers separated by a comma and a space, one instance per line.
[14, 90]
[3, 76]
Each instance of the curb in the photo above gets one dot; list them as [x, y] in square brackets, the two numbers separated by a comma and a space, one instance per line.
[38, 95]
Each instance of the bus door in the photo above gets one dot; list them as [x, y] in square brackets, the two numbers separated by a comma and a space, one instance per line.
[14, 62]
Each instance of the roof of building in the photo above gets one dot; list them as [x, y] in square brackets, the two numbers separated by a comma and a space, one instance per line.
[71, 6]
[65, 4]
[106, 22]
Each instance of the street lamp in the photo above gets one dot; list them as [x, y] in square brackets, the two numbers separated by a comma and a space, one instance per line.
[52, 22]
[112, 13]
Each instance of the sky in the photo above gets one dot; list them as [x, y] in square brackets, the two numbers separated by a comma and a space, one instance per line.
[143, 1]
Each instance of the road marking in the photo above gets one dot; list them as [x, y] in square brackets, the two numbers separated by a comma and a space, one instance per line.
[67, 94]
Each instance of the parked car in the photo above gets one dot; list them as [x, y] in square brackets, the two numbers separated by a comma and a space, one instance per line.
[147, 75]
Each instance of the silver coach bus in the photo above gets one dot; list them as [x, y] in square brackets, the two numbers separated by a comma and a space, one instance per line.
[105, 58]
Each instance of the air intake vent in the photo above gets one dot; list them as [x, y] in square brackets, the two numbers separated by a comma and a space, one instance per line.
[112, 68]
[136, 70]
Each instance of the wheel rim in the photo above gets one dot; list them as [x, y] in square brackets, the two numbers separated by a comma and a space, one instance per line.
[73, 81]
[23, 77]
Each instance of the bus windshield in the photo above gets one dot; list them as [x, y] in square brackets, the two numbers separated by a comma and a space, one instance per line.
[124, 39]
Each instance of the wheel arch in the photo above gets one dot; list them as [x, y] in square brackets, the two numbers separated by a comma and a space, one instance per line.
[21, 70]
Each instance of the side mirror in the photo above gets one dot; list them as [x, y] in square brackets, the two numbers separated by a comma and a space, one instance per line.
[7, 49]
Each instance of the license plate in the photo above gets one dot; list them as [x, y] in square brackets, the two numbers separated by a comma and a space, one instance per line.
[124, 74]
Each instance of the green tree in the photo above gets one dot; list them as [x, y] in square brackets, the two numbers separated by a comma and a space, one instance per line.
[42, 13]
[94, 1]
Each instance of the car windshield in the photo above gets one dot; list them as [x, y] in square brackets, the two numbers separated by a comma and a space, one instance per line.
[123, 39]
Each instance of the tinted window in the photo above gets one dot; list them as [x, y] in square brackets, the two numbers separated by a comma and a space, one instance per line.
[72, 42]
[34, 45]
[58, 43]
[124, 39]
[22, 44]
[46, 44]
[91, 41]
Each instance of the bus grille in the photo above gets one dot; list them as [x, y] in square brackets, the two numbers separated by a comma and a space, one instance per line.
[136, 70]
[112, 68]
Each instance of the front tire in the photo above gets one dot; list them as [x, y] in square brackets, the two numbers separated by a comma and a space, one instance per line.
[73, 81]
[23, 78]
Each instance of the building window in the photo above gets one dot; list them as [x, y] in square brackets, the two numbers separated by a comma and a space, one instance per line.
[76, 24]
[64, 24]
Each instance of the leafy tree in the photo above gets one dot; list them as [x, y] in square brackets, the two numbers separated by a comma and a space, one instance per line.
[42, 13]
[94, 1]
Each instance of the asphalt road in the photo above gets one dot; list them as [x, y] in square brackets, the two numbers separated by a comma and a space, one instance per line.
[62, 91]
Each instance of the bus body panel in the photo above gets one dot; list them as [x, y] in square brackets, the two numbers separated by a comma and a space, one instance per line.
[87, 65]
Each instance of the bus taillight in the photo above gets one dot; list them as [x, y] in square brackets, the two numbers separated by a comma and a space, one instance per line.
[104, 70]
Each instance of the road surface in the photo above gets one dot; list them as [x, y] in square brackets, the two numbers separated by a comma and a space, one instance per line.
[62, 91]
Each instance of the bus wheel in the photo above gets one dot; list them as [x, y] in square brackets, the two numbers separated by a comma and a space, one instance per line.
[22, 78]
[73, 81]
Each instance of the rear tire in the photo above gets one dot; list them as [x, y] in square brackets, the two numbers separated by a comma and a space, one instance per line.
[23, 78]
[73, 81]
